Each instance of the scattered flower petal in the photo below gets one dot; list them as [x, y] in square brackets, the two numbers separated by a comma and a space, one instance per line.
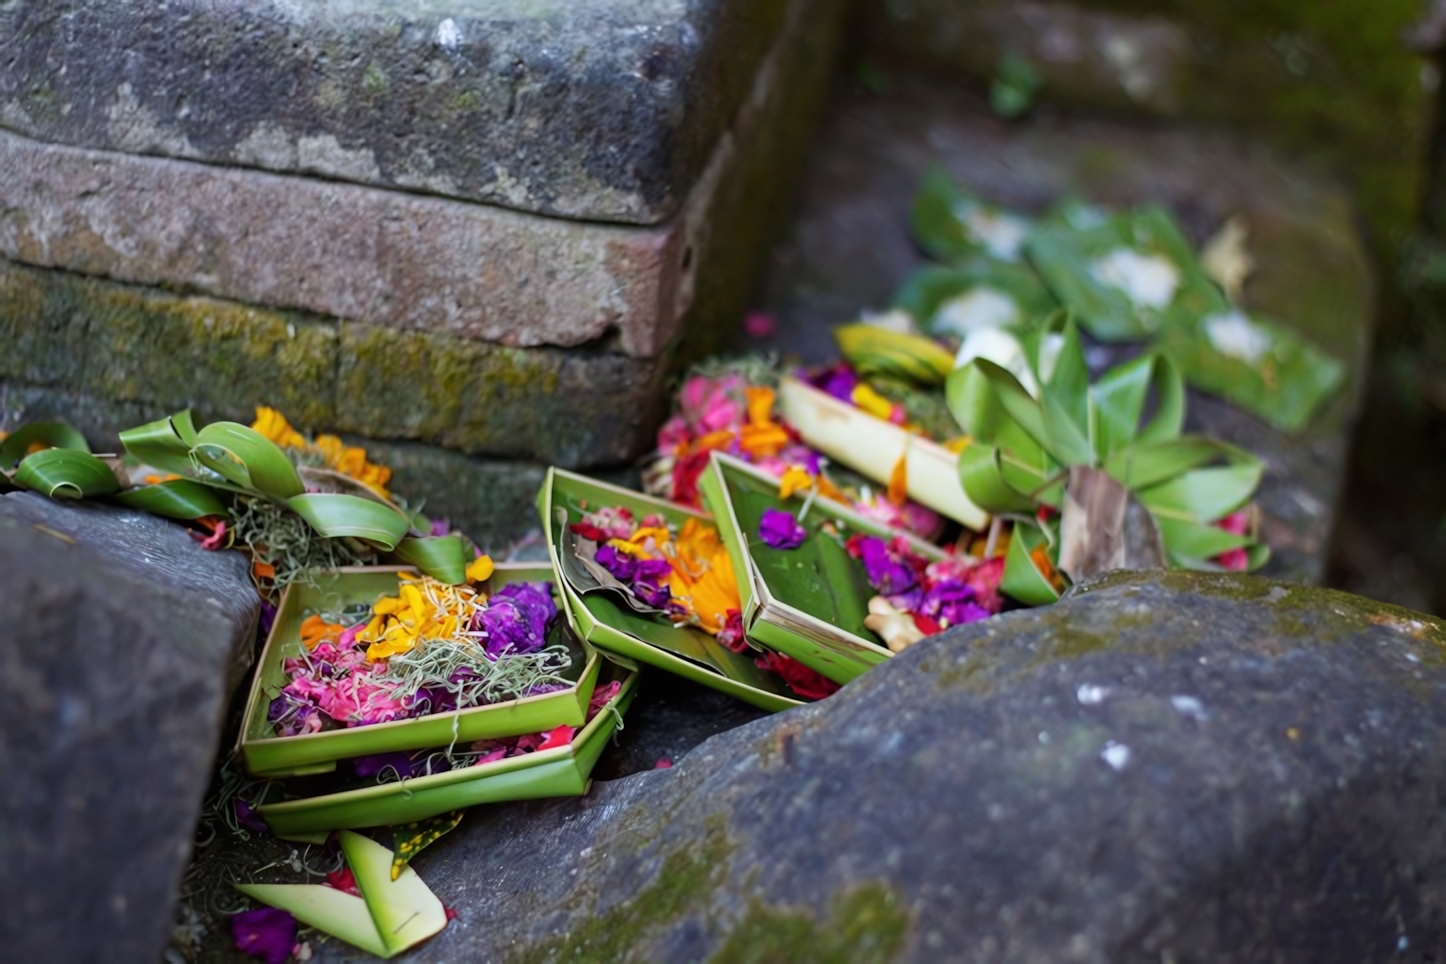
[266, 932]
[780, 530]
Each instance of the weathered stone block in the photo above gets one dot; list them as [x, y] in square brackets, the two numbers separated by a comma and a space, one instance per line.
[341, 250]
[573, 408]
[850, 249]
[585, 108]
[147, 352]
[1175, 767]
[42, 329]
[123, 642]
[215, 356]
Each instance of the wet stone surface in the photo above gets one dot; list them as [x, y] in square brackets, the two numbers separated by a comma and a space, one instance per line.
[123, 642]
[850, 249]
[1169, 767]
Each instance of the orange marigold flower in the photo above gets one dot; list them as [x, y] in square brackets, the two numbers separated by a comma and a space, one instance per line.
[315, 631]
[274, 426]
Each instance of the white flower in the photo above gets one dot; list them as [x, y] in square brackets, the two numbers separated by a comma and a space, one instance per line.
[1002, 234]
[1148, 280]
[1235, 335]
[1003, 349]
[978, 308]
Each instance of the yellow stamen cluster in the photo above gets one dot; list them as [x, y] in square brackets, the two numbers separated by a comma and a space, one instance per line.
[423, 609]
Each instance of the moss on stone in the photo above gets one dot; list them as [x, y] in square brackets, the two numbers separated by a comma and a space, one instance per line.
[220, 358]
[683, 885]
[866, 925]
[42, 330]
[576, 407]
[1063, 632]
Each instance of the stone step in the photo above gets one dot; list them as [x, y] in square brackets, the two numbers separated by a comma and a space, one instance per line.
[490, 228]
[588, 109]
[123, 642]
[1183, 767]
[850, 249]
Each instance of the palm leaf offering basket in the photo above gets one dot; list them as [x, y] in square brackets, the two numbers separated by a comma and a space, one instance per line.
[631, 637]
[562, 771]
[808, 603]
[267, 755]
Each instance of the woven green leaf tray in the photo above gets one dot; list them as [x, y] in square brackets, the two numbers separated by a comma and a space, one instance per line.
[266, 754]
[563, 771]
[613, 628]
[808, 603]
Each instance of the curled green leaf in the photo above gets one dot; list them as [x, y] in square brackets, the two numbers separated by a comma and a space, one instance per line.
[66, 474]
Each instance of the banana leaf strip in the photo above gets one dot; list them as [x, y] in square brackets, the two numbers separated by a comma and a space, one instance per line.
[247, 459]
[441, 557]
[164, 444]
[175, 499]
[1023, 579]
[872, 350]
[340, 516]
[57, 435]
[66, 474]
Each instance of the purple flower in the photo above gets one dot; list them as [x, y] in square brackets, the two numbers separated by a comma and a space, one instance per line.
[268, 617]
[292, 715]
[247, 818]
[650, 582]
[839, 381]
[370, 766]
[952, 602]
[781, 530]
[440, 527]
[516, 618]
[622, 566]
[265, 932]
[888, 574]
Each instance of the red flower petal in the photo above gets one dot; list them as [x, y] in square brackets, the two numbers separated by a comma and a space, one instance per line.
[802, 680]
[343, 880]
[562, 736]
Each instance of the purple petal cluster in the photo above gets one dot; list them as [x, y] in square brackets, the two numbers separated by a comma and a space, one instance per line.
[887, 573]
[780, 530]
[838, 380]
[952, 602]
[265, 932]
[516, 618]
[647, 578]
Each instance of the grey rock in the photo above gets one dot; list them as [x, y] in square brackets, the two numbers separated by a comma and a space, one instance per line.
[123, 641]
[850, 249]
[584, 108]
[1184, 767]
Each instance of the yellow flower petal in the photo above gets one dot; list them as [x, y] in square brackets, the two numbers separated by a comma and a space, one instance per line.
[872, 402]
[480, 569]
[630, 548]
[794, 480]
